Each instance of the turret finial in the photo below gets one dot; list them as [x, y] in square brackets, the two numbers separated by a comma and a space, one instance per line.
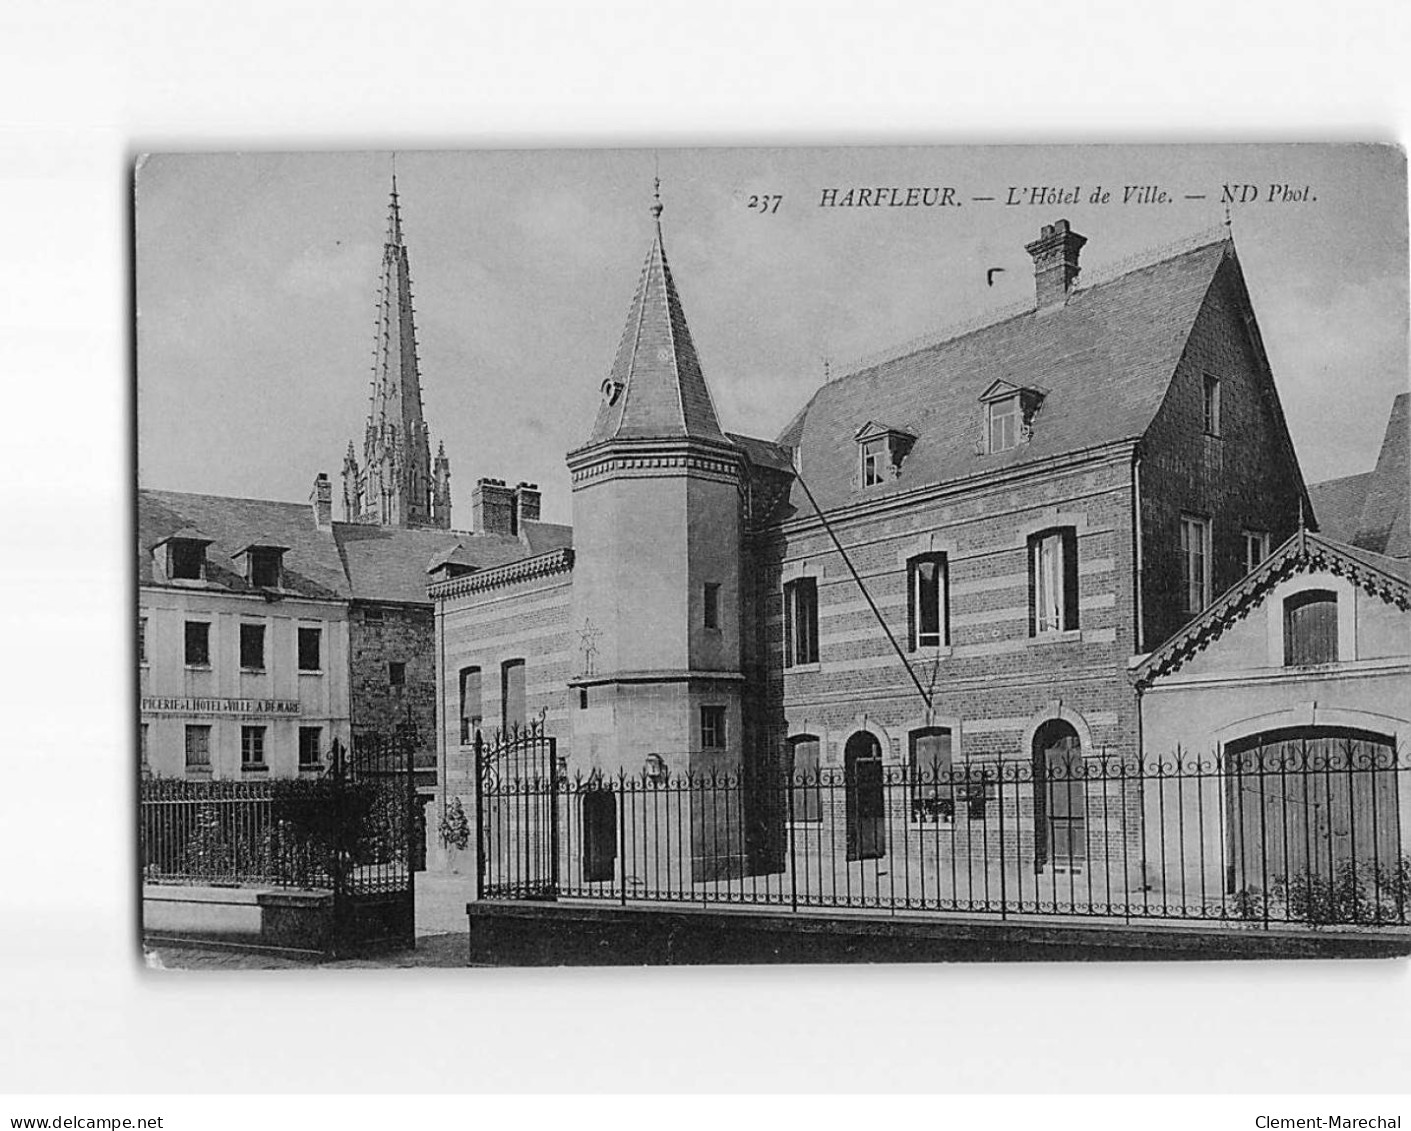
[656, 198]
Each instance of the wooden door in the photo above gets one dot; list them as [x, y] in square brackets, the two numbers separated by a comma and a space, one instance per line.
[865, 800]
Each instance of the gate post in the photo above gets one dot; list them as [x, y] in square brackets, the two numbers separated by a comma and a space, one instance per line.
[553, 817]
[479, 815]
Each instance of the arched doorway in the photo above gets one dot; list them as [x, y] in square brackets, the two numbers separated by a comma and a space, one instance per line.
[1309, 803]
[1060, 797]
[865, 803]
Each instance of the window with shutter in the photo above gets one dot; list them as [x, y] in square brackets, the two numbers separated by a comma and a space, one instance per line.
[1311, 628]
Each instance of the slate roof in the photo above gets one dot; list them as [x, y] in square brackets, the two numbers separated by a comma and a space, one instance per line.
[663, 392]
[1305, 551]
[390, 563]
[1104, 360]
[1337, 504]
[1373, 510]
[763, 453]
[312, 566]
[350, 561]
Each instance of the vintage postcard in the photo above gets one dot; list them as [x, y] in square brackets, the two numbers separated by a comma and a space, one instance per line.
[745, 555]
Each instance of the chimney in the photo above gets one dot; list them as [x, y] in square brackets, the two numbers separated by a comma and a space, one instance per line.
[321, 498]
[493, 507]
[526, 502]
[1055, 255]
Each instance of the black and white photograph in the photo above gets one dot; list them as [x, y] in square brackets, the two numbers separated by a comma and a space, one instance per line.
[773, 555]
[702, 566]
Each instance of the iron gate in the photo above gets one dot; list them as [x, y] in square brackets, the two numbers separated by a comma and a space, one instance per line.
[517, 813]
[374, 894]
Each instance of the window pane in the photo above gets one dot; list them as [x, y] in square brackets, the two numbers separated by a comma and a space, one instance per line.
[801, 616]
[198, 643]
[198, 746]
[252, 646]
[1048, 583]
[512, 693]
[310, 640]
[805, 787]
[310, 742]
[928, 601]
[932, 794]
[187, 558]
[471, 714]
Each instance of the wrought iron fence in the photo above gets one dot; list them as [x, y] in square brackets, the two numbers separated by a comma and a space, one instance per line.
[345, 830]
[1279, 830]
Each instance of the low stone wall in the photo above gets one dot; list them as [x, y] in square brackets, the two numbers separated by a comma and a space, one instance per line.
[295, 922]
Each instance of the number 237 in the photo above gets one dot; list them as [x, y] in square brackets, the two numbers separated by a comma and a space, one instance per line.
[766, 204]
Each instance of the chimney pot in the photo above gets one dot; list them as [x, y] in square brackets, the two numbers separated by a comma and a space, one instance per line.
[1055, 255]
[321, 499]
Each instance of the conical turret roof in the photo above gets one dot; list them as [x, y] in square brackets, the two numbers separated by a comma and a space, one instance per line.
[656, 388]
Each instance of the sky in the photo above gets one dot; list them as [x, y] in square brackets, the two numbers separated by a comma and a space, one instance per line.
[257, 275]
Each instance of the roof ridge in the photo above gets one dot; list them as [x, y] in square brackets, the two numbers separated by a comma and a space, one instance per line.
[223, 498]
[1101, 276]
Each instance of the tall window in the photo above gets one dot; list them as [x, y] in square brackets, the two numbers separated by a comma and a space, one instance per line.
[874, 461]
[198, 643]
[1053, 581]
[310, 748]
[198, 748]
[310, 649]
[142, 746]
[712, 604]
[1004, 424]
[805, 784]
[1212, 405]
[252, 647]
[932, 793]
[1256, 548]
[712, 728]
[928, 607]
[801, 622]
[252, 748]
[1311, 627]
[512, 693]
[471, 714]
[1195, 559]
[141, 640]
[397, 673]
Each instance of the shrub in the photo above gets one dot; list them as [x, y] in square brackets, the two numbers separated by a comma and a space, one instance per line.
[455, 827]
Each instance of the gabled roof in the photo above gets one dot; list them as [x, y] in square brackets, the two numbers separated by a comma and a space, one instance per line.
[1000, 388]
[873, 429]
[1304, 552]
[661, 390]
[312, 567]
[1373, 510]
[1105, 359]
[347, 561]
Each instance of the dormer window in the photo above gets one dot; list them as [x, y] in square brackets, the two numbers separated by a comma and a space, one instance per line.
[1004, 424]
[264, 565]
[188, 560]
[880, 452]
[1009, 416]
[182, 556]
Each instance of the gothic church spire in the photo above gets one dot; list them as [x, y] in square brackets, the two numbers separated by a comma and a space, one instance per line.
[396, 484]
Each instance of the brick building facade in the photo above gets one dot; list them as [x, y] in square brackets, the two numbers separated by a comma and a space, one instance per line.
[949, 558]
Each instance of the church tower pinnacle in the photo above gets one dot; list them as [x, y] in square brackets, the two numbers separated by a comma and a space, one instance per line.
[396, 483]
